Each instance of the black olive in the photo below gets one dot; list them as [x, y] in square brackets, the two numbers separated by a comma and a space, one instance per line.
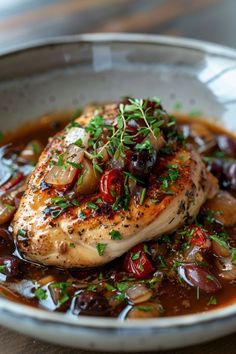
[227, 145]
[141, 163]
[6, 242]
[216, 167]
[90, 303]
[133, 129]
[9, 266]
[229, 179]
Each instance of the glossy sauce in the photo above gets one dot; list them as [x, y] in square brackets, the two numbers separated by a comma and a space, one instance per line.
[174, 296]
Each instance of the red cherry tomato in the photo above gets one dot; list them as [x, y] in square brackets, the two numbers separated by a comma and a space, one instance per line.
[111, 185]
[199, 237]
[137, 262]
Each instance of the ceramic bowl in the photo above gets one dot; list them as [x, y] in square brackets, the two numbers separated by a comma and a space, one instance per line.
[67, 73]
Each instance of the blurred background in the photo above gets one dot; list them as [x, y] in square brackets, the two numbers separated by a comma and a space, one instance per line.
[22, 21]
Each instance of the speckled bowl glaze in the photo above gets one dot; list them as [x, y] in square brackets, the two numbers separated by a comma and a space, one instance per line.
[67, 73]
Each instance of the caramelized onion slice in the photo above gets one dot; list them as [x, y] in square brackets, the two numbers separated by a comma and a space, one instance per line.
[32, 151]
[223, 207]
[77, 134]
[157, 142]
[146, 310]
[88, 179]
[6, 212]
[139, 293]
[226, 268]
[65, 173]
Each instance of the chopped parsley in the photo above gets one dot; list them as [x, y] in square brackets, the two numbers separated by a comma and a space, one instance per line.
[82, 215]
[135, 255]
[144, 308]
[64, 297]
[101, 248]
[2, 268]
[115, 235]
[74, 164]
[142, 196]
[109, 287]
[60, 160]
[233, 254]
[92, 287]
[40, 294]
[122, 286]
[170, 178]
[21, 234]
[78, 142]
[212, 301]
[92, 206]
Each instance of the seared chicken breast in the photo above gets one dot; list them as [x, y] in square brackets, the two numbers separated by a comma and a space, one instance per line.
[116, 176]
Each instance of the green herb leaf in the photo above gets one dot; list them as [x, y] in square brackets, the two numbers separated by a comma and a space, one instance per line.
[122, 286]
[142, 196]
[144, 308]
[115, 235]
[212, 301]
[92, 206]
[40, 294]
[2, 268]
[79, 142]
[101, 248]
[135, 255]
[76, 165]
[82, 215]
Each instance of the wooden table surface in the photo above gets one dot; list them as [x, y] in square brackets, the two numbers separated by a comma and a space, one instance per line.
[22, 21]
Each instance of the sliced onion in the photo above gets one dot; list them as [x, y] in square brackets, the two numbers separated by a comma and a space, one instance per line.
[6, 212]
[146, 310]
[227, 268]
[104, 154]
[46, 280]
[139, 293]
[223, 206]
[64, 175]
[32, 151]
[191, 253]
[157, 142]
[90, 180]
[76, 133]
[220, 250]
[202, 136]
[5, 171]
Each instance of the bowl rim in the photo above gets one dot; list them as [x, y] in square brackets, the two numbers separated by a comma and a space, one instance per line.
[12, 309]
[138, 38]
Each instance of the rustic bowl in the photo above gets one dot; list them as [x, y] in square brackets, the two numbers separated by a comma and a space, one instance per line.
[65, 73]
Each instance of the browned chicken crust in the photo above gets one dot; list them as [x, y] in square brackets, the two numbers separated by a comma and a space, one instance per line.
[69, 241]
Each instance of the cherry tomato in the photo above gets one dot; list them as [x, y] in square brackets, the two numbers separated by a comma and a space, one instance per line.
[137, 262]
[199, 237]
[111, 185]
